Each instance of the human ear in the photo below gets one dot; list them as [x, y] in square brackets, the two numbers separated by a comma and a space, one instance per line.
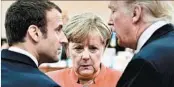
[137, 10]
[34, 33]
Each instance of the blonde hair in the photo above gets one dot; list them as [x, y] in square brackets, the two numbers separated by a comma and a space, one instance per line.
[79, 27]
[155, 9]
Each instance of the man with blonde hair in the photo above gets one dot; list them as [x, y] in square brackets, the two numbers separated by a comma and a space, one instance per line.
[145, 26]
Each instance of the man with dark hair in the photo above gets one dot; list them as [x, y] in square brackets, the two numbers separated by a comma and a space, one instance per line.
[34, 34]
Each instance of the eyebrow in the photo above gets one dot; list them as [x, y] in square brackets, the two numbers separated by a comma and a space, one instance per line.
[76, 45]
[111, 6]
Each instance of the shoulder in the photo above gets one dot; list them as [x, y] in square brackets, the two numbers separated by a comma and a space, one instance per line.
[59, 75]
[112, 74]
[20, 79]
[158, 49]
[58, 72]
[165, 42]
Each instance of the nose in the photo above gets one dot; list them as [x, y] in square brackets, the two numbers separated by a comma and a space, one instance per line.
[86, 55]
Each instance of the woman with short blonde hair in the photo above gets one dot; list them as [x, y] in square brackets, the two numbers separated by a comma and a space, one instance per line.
[88, 37]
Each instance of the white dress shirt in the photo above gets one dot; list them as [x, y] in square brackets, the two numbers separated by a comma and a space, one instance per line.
[18, 50]
[148, 33]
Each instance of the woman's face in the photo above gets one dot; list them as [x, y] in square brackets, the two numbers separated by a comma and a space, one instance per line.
[86, 56]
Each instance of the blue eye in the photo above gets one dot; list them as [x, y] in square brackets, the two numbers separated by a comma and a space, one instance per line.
[78, 47]
[93, 49]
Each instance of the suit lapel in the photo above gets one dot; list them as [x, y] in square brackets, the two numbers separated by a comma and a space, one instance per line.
[160, 32]
[17, 57]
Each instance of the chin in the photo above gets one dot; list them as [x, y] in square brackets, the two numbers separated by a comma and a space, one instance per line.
[87, 73]
[53, 59]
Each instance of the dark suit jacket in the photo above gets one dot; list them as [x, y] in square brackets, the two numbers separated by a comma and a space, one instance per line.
[153, 66]
[18, 70]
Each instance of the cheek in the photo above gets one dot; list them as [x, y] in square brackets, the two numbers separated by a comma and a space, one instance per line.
[56, 40]
[57, 37]
[75, 58]
[119, 25]
[52, 37]
[115, 17]
[116, 22]
[97, 60]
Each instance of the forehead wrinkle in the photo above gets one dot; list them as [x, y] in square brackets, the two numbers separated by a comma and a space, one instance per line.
[116, 4]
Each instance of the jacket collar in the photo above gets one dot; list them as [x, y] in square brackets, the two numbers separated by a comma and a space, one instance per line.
[17, 57]
[148, 33]
[160, 32]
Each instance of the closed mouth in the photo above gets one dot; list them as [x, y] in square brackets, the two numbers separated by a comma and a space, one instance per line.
[85, 65]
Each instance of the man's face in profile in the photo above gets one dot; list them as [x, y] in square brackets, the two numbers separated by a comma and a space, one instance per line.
[120, 21]
[51, 46]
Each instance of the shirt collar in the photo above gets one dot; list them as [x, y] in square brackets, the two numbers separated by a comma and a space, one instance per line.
[148, 33]
[16, 49]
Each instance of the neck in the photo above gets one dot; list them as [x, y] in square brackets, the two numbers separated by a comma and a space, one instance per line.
[140, 29]
[26, 47]
[86, 82]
